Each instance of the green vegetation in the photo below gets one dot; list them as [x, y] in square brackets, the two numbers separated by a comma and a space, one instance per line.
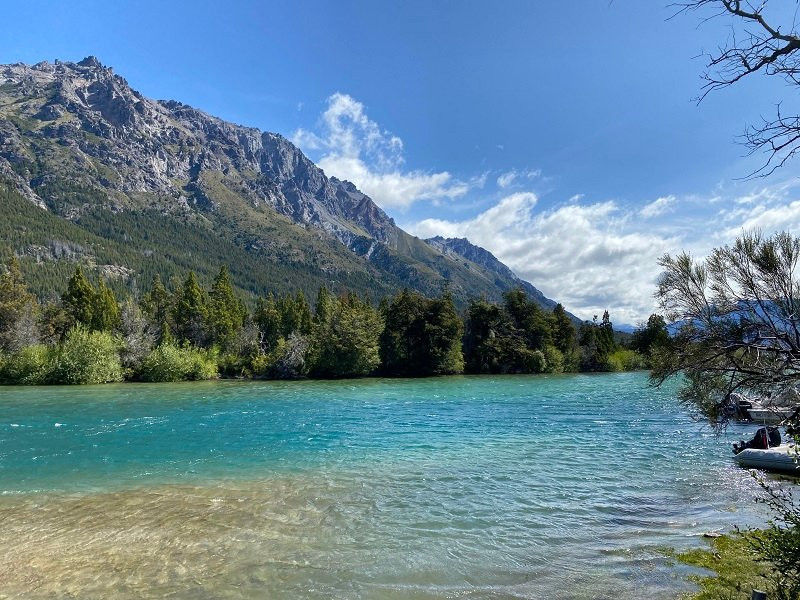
[82, 357]
[189, 332]
[85, 357]
[738, 330]
[737, 572]
[168, 362]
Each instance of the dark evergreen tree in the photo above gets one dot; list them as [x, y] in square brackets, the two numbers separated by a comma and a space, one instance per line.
[421, 336]
[483, 327]
[402, 336]
[18, 310]
[492, 342]
[347, 341]
[79, 299]
[323, 309]
[105, 311]
[650, 336]
[190, 311]
[303, 311]
[564, 336]
[443, 331]
[225, 314]
[157, 305]
[295, 315]
[267, 318]
[529, 318]
[605, 336]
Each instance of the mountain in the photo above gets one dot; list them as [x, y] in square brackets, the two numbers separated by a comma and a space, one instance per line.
[91, 171]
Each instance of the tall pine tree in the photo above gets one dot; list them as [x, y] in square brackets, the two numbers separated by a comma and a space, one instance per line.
[190, 311]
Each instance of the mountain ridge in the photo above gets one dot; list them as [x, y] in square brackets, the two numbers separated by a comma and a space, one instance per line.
[77, 141]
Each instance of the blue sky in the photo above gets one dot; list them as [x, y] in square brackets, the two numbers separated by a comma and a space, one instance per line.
[562, 136]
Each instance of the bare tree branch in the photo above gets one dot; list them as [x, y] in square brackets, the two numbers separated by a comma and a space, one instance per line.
[756, 45]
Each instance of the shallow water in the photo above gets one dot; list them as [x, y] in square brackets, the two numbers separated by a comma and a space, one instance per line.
[461, 487]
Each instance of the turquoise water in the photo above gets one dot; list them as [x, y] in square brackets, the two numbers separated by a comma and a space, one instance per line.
[461, 487]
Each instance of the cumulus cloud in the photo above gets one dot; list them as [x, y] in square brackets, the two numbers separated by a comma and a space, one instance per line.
[597, 256]
[355, 148]
[584, 255]
[658, 207]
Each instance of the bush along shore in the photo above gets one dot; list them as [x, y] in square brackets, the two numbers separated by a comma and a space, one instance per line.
[186, 332]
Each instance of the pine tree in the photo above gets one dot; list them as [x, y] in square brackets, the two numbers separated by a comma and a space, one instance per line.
[105, 310]
[18, 310]
[304, 321]
[268, 320]
[564, 334]
[190, 312]
[157, 305]
[323, 309]
[225, 315]
[79, 299]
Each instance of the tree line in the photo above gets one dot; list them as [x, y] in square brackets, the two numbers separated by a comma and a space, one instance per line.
[186, 332]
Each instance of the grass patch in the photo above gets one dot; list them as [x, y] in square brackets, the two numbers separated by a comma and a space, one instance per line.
[736, 572]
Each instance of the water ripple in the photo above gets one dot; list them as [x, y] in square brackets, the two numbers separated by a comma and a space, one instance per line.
[491, 487]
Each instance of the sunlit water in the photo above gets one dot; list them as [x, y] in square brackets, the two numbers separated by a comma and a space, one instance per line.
[462, 487]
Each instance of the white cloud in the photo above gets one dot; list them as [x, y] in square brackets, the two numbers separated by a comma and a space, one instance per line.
[355, 148]
[770, 209]
[658, 207]
[593, 256]
[508, 178]
[584, 255]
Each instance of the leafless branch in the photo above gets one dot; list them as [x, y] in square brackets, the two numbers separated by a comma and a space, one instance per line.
[756, 45]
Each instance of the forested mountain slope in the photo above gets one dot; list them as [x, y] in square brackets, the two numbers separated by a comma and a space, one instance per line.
[93, 172]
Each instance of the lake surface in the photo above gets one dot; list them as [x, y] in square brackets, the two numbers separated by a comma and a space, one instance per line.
[459, 487]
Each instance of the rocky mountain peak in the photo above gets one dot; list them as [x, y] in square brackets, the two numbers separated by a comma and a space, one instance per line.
[76, 135]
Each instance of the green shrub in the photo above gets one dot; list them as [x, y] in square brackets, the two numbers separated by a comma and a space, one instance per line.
[168, 362]
[538, 362]
[286, 361]
[625, 360]
[85, 357]
[554, 359]
[29, 366]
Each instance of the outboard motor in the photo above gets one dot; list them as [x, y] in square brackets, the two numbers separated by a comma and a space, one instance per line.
[773, 436]
[761, 441]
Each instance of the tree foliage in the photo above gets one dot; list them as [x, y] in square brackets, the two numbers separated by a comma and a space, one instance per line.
[168, 362]
[225, 314]
[738, 315]
[190, 311]
[346, 337]
[18, 310]
[85, 357]
[421, 336]
[651, 336]
[185, 331]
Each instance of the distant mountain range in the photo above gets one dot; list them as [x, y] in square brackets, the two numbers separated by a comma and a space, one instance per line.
[91, 171]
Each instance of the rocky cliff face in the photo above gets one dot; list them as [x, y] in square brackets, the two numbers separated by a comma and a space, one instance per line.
[164, 148]
[76, 138]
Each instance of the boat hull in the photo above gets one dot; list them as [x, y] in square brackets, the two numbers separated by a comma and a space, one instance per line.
[769, 416]
[782, 459]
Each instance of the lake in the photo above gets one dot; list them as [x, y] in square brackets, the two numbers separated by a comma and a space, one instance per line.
[459, 487]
